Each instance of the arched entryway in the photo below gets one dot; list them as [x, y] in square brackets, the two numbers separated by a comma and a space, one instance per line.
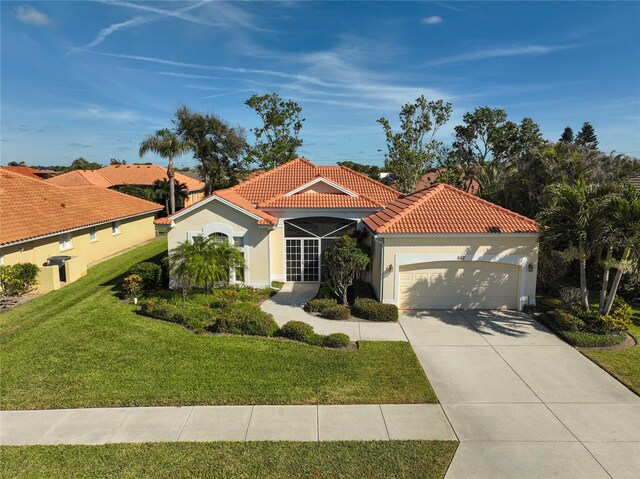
[305, 241]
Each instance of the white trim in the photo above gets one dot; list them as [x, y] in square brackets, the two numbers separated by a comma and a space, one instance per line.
[343, 214]
[516, 260]
[214, 197]
[48, 235]
[321, 180]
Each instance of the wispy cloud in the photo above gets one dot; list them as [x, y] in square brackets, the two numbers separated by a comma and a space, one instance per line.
[502, 52]
[136, 22]
[81, 145]
[29, 15]
[433, 20]
[167, 13]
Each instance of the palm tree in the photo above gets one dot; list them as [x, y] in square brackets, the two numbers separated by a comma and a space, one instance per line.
[570, 223]
[161, 192]
[203, 262]
[166, 144]
[621, 231]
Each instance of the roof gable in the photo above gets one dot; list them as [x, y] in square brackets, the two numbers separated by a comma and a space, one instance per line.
[443, 209]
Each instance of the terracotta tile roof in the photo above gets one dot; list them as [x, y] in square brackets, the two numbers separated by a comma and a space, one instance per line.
[320, 200]
[81, 178]
[116, 175]
[445, 209]
[31, 208]
[163, 221]
[291, 175]
[28, 171]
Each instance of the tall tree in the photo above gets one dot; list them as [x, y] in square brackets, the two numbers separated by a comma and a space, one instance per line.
[587, 136]
[116, 161]
[414, 150]
[84, 164]
[570, 222]
[277, 140]
[567, 136]
[372, 171]
[219, 147]
[166, 144]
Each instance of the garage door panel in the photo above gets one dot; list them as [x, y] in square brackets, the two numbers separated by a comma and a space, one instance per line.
[450, 285]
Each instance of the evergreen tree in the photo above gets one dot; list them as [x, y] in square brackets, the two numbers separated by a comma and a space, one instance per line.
[587, 136]
[567, 136]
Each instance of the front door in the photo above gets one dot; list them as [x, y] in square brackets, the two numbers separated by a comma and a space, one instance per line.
[303, 259]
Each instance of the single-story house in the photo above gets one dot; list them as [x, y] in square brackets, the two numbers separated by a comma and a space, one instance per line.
[436, 248]
[135, 175]
[40, 222]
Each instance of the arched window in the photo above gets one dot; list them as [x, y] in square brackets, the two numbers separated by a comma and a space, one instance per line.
[218, 237]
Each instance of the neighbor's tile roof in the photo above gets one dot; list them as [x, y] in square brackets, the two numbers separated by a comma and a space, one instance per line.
[635, 181]
[31, 208]
[26, 171]
[445, 209]
[116, 175]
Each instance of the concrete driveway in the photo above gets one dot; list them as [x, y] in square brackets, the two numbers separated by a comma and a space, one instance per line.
[522, 402]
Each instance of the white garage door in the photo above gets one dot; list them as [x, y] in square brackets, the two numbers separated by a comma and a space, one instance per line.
[452, 285]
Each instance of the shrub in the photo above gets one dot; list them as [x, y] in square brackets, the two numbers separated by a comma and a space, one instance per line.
[622, 312]
[316, 339]
[193, 317]
[325, 293]
[571, 298]
[584, 339]
[18, 279]
[150, 273]
[246, 319]
[372, 310]
[155, 309]
[296, 330]
[318, 304]
[337, 311]
[567, 322]
[277, 285]
[336, 340]
[132, 285]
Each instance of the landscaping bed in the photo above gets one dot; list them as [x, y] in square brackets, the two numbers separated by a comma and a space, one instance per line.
[362, 305]
[349, 459]
[81, 347]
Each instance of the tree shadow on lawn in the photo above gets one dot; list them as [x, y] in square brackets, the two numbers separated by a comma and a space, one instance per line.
[115, 283]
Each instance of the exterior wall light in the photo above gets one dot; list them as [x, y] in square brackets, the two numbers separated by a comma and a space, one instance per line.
[530, 268]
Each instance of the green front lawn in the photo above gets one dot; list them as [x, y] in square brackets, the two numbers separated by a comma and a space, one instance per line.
[81, 347]
[383, 459]
[623, 364]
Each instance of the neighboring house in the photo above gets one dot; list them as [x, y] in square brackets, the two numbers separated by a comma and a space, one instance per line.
[135, 175]
[31, 172]
[39, 220]
[436, 248]
[635, 181]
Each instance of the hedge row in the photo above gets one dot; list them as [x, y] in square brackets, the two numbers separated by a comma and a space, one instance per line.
[240, 318]
[372, 310]
[363, 307]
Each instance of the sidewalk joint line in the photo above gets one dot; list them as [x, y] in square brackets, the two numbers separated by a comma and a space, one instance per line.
[185, 423]
[246, 433]
[384, 421]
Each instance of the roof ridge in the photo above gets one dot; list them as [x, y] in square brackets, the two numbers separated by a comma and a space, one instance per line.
[81, 172]
[268, 172]
[371, 180]
[405, 211]
[486, 202]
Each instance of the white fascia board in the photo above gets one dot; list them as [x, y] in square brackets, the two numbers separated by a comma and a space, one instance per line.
[213, 197]
[321, 180]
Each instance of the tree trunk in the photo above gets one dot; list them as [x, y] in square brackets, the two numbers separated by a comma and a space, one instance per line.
[172, 187]
[605, 280]
[583, 281]
[616, 281]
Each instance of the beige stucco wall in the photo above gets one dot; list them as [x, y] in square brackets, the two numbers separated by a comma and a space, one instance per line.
[132, 232]
[214, 216]
[525, 246]
[276, 240]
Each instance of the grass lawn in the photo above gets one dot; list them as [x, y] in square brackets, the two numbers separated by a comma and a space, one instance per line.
[80, 347]
[625, 364]
[383, 459]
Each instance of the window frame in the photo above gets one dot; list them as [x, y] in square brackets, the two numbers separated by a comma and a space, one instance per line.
[65, 241]
[93, 234]
[115, 228]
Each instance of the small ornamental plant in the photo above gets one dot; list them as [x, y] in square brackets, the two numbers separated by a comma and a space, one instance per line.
[132, 285]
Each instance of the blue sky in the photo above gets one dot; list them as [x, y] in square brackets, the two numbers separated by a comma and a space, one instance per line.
[92, 78]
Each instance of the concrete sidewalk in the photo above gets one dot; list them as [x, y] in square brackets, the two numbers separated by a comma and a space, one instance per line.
[225, 423]
[287, 305]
